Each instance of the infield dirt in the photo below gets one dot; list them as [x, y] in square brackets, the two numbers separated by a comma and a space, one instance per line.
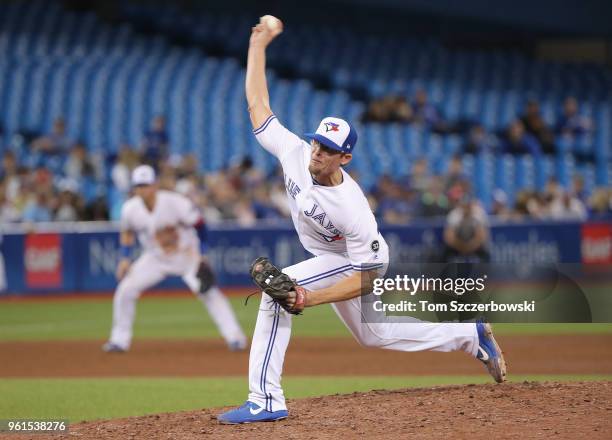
[550, 354]
[509, 411]
[512, 410]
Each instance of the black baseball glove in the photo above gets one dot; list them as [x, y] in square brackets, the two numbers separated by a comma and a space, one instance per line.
[278, 285]
[206, 276]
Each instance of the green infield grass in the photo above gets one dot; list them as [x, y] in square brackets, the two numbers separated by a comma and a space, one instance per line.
[90, 399]
[183, 317]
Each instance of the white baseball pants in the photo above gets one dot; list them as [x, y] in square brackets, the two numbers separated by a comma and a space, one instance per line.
[273, 330]
[150, 269]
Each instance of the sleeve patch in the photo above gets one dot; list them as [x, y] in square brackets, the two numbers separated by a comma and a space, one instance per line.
[375, 246]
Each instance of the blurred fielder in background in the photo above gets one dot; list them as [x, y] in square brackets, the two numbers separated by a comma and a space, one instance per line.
[169, 228]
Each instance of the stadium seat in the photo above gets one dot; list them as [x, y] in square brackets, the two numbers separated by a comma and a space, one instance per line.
[108, 80]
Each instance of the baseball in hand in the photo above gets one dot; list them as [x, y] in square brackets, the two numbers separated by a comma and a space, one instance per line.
[274, 25]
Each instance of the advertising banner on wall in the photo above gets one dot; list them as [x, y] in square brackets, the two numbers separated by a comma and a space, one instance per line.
[43, 260]
[84, 260]
[596, 245]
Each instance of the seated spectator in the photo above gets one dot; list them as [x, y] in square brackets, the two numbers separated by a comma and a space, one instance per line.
[388, 109]
[567, 207]
[167, 176]
[528, 205]
[600, 204]
[433, 202]
[78, 165]
[397, 207]
[262, 204]
[401, 111]
[518, 141]
[499, 208]
[222, 194]
[97, 210]
[243, 175]
[570, 122]
[187, 167]
[375, 112]
[57, 142]
[552, 188]
[189, 186]
[457, 192]
[536, 126]
[67, 209]
[209, 210]
[10, 174]
[9, 165]
[42, 179]
[8, 211]
[419, 176]
[551, 193]
[578, 188]
[466, 234]
[126, 161]
[19, 189]
[37, 208]
[244, 212]
[383, 187]
[454, 174]
[426, 113]
[479, 141]
[154, 146]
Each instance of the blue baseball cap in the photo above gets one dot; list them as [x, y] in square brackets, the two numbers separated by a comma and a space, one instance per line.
[335, 133]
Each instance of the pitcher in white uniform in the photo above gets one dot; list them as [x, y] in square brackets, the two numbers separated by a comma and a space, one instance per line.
[172, 234]
[335, 223]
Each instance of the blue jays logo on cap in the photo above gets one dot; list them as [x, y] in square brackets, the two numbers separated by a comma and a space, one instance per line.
[331, 126]
[335, 133]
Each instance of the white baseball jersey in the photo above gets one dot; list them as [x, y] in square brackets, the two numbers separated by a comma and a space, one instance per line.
[169, 226]
[328, 219]
[173, 216]
[336, 224]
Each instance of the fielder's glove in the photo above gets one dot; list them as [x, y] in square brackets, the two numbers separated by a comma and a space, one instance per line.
[206, 276]
[278, 285]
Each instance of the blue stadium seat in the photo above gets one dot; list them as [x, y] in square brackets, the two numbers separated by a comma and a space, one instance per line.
[109, 80]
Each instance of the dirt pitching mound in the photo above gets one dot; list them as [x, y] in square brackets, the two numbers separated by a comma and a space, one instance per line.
[521, 410]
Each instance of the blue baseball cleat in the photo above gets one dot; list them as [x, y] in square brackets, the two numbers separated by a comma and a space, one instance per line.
[489, 352]
[250, 413]
[237, 346]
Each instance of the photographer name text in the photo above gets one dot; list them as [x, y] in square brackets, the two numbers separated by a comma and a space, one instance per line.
[452, 306]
